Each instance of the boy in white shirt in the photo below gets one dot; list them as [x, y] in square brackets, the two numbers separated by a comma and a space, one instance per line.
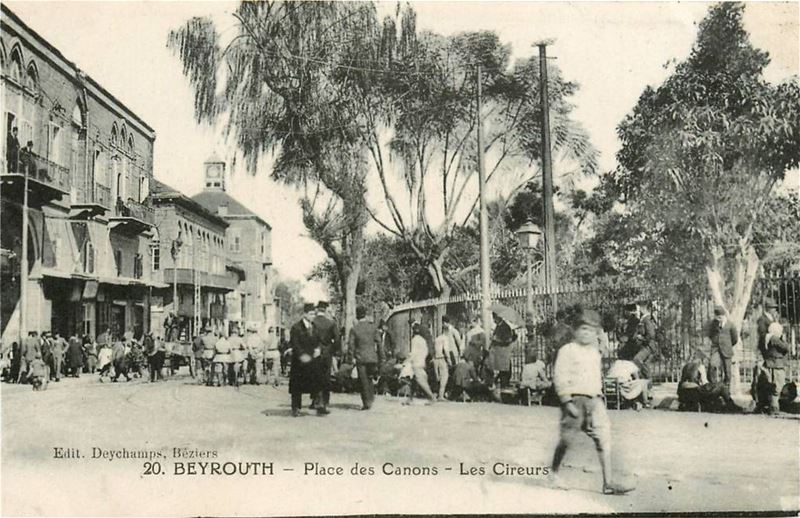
[578, 382]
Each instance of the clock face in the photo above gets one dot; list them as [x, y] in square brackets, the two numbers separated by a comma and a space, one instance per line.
[214, 170]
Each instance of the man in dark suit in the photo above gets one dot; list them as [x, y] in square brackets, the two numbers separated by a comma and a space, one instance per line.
[327, 332]
[365, 348]
[305, 371]
[724, 337]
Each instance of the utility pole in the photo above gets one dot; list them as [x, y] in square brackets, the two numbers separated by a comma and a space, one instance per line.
[550, 274]
[486, 281]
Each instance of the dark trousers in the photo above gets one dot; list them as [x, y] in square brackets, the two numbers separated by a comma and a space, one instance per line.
[121, 368]
[297, 400]
[640, 359]
[720, 368]
[156, 361]
[366, 371]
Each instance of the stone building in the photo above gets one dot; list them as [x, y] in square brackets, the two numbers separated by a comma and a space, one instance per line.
[88, 168]
[249, 250]
[191, 257]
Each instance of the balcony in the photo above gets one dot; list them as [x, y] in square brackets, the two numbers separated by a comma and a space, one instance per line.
[94, 203]
[204, 279]
[47, 181]
[131, 217]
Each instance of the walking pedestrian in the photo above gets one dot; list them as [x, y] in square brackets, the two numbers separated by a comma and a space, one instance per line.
[46, 347]
[238, 356]
[209, 351]
[271, 357]
[31, 348]
[305, 372]
[16, 362]
[417, 358]
[578, 382]
[119, 358]
[104, 360]
[75, 356]
[724, 337]
[223, 360]
[327, 332]
[365, 349]
[59, 348]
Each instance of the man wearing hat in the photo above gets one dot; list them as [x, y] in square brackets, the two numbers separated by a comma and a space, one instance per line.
[578, 381]
[327, 331]
[768, 316]
[306, 369]
[365, 349]
[724, 337]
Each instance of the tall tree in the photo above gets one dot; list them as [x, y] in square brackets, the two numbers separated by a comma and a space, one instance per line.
[282, 84]
[430, 190]
[701, 157]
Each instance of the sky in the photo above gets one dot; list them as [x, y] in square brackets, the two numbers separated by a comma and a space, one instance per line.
[612, 50]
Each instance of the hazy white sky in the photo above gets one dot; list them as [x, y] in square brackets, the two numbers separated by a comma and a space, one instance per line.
[613, 50]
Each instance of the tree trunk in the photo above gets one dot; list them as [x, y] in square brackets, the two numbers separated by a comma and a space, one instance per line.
[349, 280]
[739, 289]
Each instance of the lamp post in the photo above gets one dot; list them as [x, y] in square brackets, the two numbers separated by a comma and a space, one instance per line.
[177, 243]
[528, 237]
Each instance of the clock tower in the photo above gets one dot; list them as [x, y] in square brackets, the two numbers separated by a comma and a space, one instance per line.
[214, 174]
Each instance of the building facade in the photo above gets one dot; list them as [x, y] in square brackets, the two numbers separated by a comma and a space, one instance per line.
[249, 251]
[87, 160]
[191, 257]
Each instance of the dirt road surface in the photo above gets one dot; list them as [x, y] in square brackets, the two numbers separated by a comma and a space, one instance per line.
[679, 461]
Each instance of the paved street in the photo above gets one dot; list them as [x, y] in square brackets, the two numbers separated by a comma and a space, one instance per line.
[679, 461]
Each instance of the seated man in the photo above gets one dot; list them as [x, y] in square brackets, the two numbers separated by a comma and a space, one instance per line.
[39, 373]
[632, 386]
[534, 378]
[465, 379]
[695, 392]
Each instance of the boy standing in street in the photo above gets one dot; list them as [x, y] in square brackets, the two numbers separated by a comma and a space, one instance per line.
[578, 382]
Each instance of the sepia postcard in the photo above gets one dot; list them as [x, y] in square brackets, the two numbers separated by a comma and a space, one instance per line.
[344, 258]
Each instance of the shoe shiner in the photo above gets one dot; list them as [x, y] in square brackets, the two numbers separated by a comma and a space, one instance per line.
[40, 373]
[578, 381]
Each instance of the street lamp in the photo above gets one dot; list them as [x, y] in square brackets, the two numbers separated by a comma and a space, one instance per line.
[177, 243]
[528, 236]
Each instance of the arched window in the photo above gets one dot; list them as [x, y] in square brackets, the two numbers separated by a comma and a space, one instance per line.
[32, 77]
[130, 145]
[77, 115]
[114, 134]
[16, 65]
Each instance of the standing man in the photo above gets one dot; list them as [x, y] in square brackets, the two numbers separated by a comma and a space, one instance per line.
[75, 356]
[387, 341]
[775, 353]
[417, 358]
[475, 343]
[197, 352]
[365, 348]
[46, 346]
[767, 317]
[57, 351]
[502, 338]
[304, 374]
[30, 350]
[724, 337]
[271, 355]
[12, 150]
[327, 332]
[441, 361]
[578, 381]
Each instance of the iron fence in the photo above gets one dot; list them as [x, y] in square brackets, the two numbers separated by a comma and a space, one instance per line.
[682, 315]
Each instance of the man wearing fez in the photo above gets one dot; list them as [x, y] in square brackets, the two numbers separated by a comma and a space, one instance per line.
[305, 373]
[724, 337]
[327, 331]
